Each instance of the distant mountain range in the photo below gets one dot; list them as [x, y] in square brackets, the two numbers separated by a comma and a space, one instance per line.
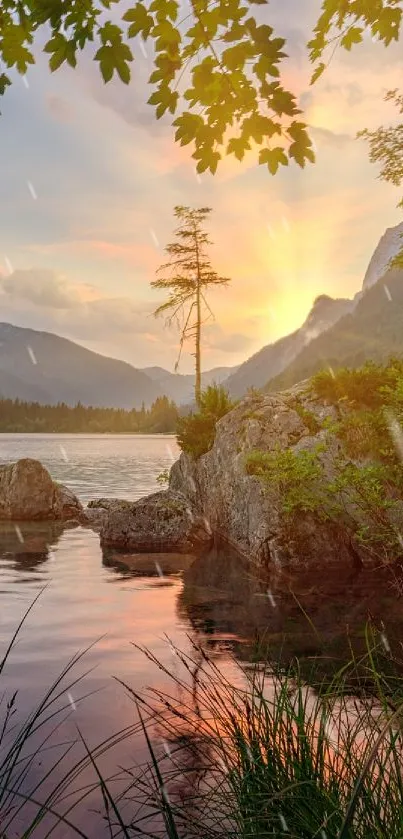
[180, 387]
[373, 330]
[336, 331]
[271, 360]
[42, 367]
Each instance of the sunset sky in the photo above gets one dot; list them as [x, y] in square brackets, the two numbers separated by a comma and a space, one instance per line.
[89, 180]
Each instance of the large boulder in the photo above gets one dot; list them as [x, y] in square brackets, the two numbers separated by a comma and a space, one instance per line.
[162, 522]
[28, 493]
[246, 511]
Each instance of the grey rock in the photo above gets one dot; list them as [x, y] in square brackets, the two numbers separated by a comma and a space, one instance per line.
[96, 512]
[247, 513]
[161, 522]
[28, 493]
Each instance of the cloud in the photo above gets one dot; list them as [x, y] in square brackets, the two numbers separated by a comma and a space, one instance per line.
[236, 342]
[41, 287]
[325, 137]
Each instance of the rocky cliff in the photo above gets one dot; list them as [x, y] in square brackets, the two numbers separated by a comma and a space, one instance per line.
[388, 246]
[251, 511]
[274, 358]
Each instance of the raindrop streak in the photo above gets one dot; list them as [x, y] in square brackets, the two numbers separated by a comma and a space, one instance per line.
[387, 292]
[72, 703]
[19, 534]
[26, 82]
[397, 435]
[170, 453]
[207, 526]
[159, 569]
[198, 178]
[165, 795]
[32, 355]
[143, 49]
[64, 454]
[32, 190]
[154, 238]
[283, 823]
[332, 373]
[385, 642]
[8, 265]
[271, 598]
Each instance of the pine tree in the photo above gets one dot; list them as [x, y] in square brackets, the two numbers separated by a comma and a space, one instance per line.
[187, 276]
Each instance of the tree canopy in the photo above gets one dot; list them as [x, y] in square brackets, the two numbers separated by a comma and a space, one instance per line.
[217, 70]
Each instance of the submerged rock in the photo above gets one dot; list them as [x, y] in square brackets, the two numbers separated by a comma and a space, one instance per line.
[28, 493]
[161, 522]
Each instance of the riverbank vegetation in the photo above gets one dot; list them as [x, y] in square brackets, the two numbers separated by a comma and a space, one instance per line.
[266, 753]
[196, 430]
[359, 482]
[28, 417]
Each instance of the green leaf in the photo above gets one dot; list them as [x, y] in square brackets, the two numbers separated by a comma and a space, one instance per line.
[273, 158]
[318, 72]
[238, 146]
[123, 71]
[188, 126]
[4, 83]
[235, 57]
[141, 22]
[352, 36]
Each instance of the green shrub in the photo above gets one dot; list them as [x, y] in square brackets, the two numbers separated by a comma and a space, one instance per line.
[195, 433]
[371, 386]
[297, 476]
[308, 418]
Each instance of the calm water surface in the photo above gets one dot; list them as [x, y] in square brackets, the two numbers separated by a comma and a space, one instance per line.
[85, 597]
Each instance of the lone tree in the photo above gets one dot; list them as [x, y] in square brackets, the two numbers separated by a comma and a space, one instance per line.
[187, 276]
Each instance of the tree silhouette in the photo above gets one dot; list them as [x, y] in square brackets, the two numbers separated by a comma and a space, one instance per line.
[187, 276]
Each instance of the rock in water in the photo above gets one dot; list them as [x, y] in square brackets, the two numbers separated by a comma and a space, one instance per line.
[161, 522]
[28, 493]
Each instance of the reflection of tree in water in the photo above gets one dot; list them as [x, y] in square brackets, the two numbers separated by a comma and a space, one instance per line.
[28, 544]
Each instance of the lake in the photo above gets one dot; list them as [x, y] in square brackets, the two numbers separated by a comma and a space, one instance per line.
[111, 605]
[86, 598]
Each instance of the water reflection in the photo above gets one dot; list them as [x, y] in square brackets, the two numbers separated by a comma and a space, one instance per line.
[313, 616]
[160, 565]
[25, 546]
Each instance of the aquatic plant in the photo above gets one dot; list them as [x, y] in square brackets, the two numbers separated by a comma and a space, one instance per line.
[273, 758]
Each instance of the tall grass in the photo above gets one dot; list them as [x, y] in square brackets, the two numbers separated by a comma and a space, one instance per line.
[258, 755]
[40, 774]
[272, 757]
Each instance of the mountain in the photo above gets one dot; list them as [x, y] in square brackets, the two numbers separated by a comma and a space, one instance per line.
[388, 246]
[272, 359]
[42, 367]
[373, 330]
[180, 387]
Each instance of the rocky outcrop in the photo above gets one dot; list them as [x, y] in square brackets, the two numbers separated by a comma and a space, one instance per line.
[161, 522]
[388, 247]
[96, 512]
[28, 493]
[247, 511]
